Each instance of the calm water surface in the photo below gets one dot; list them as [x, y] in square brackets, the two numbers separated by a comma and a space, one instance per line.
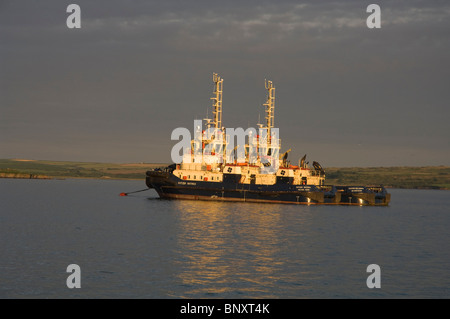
[142, 247]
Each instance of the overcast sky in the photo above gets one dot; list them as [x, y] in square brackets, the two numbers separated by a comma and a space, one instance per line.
[114, 90]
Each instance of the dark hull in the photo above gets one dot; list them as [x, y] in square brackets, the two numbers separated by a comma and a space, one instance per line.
[169, 186]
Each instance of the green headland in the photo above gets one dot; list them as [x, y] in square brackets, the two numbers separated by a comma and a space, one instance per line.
[428, 177]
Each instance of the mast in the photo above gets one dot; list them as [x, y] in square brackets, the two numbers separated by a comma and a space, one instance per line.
[217, 101]
[269, 142]
[270, 106]
[270, 116]
[215, 138]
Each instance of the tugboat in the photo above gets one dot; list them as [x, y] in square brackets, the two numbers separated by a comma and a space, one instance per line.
[253, 171]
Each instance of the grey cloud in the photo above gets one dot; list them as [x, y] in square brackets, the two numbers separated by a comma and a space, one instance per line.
[141, 68]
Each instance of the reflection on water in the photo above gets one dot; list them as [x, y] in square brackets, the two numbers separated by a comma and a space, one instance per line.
[133, 247]
[229, 249]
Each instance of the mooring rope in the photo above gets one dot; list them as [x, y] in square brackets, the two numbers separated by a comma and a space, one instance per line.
[126, 194]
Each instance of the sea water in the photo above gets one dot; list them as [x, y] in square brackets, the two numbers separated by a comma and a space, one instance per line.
[140, 246]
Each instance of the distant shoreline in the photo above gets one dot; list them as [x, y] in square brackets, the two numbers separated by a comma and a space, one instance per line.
[427, 177]
[44, 169]
[23, 176]
[31, 176]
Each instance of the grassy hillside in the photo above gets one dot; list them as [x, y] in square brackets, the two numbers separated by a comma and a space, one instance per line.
[57, 169]
[437, 177]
